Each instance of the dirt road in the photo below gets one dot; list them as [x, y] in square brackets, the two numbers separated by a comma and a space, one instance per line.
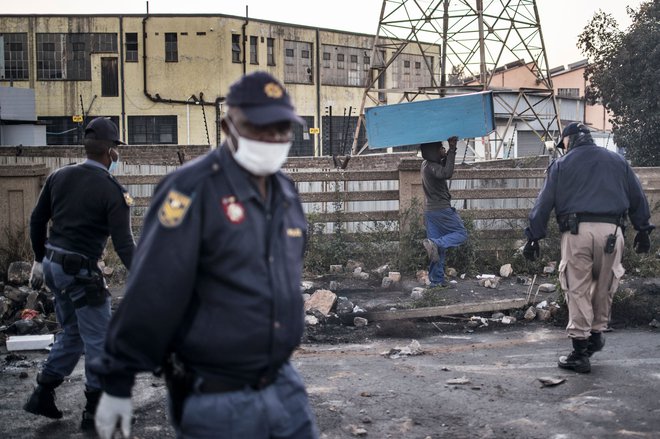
[357, 391]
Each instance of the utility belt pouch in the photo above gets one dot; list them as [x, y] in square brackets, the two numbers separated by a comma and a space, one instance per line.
[72, 263]
[609, 244]
[562, 222]
[573, 223]
[95, 288]
[179, 384]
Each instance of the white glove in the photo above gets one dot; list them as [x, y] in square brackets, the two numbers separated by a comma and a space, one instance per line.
[37, 275]
[110, 410]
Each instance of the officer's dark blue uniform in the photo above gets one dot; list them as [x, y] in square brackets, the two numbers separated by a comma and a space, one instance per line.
[216, 281]
[85, 205]
[591, 190]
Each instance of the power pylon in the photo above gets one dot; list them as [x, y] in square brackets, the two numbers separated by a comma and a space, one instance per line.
[473, 41]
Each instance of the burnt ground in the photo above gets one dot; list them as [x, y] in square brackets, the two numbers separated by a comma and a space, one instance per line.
[355, 391]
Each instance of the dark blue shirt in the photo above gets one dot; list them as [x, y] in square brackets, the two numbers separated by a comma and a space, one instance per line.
[85, 205]
[216, 278]
[589, 179]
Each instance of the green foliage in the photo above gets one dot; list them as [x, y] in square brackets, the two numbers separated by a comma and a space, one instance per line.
[16, 247]
[624, 74]
[641, 264]
[323, 249]
[412, 256]
[432, 297]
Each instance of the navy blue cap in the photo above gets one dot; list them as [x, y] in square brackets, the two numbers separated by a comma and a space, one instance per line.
[263, 99]
[103, 129]
[571, 129]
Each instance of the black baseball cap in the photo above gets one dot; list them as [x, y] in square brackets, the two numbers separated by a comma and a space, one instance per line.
[103, 129]
[263, 99]
[571, 129]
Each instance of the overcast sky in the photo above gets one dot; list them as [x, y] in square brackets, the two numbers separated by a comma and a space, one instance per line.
[561, 20]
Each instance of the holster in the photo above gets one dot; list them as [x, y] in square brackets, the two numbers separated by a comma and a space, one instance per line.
[568, 223]
[179, 383]
[96, 291]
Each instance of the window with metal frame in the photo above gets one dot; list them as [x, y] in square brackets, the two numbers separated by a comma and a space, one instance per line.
[131, 54]
[235, 48]
[270, 51]
[152, 130]
[109, 77]
[299, 146]
[254, 46]
[16, 64]
[62, 130]
[68, 56]
[171, 47]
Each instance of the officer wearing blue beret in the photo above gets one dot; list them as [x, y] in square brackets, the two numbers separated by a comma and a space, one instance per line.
[84, 204]
[214, 294]
[592, 191]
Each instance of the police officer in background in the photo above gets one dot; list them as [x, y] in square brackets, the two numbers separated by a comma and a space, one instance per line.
[591, 190]
[214, 294]
[86, 205]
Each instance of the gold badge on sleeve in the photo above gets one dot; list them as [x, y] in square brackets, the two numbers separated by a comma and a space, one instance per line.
[173, 209]
[128, 199]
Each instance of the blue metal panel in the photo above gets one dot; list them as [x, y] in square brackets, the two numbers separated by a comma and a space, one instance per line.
[466, 116]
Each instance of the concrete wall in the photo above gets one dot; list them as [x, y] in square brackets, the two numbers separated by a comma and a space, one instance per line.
[19, 190]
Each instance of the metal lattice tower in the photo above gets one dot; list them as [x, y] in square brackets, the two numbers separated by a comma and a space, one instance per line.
[465, 44]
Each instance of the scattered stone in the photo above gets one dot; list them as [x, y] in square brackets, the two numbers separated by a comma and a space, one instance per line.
[506, 270]
[523, 280]
[360, 322]
[490, 282]
[26, 327]
[387, 282]
[31, 301]
[417, 293]
[463, 276]
[486, 276]
[322, 300]
[382, 269]
[344, 306]
[366, 420]
[412, 349]
[542, 305]
[357, 271]
[357, 431]
[423, 277]
[497, 316]
[508, 320]
[18, 273]
[543, 314]
[351, 265]
[363, 276]
[5, 305]
[451, 272]
[336, 269]
[530, 314]
[16, 295]
[311, 320]
[548, 270]
[334, 285]
[551, 381]
[306, 286]
[461, 380]
[554, 309]
[547, 288]
[654, 324]
[357, 309]
[395, 276]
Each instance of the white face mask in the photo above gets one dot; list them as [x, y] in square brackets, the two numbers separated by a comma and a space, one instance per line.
[256, 157]
[113, 165]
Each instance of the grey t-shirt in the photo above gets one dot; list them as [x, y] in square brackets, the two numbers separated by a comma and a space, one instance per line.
[434, 181]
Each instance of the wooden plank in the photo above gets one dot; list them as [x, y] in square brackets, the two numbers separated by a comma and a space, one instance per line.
[495, 213]
[497, 173]
[343, 176]
[384, 215]
[448, 310]
[139, 179]
[331, 197]
[489, 194]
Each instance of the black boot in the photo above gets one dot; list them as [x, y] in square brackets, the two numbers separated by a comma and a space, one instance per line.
[42, 400]
[92, 396]
[578, 360]
[596, 343]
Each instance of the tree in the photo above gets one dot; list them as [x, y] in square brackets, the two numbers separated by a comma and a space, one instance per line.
[624, 75]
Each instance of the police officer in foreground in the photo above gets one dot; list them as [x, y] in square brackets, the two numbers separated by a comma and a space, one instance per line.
[86, 205]
[214, 294]
[592, 190]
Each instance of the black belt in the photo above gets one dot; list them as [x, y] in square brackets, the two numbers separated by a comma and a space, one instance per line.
[59, 258]
[592, 218]
[213, 385]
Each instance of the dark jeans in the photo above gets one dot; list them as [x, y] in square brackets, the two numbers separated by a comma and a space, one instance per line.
[446, 229]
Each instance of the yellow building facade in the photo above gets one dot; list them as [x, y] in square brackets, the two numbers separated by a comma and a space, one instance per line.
[163, 78]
